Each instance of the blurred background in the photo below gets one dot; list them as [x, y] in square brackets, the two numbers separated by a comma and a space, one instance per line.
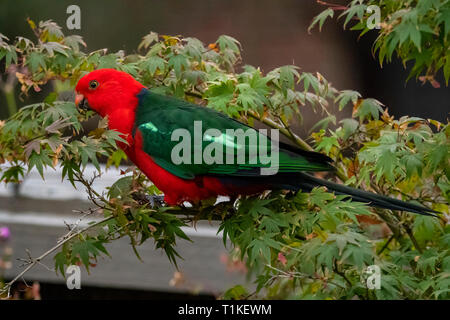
[272, 33]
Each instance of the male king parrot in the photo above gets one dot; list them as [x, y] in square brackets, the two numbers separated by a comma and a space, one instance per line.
[147, 120]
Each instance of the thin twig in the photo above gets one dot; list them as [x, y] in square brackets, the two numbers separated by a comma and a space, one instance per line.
[386, 244]
[269, 122]
[342, 274]
[73, 227]
[285, 274]
[333, 6]
[92, 194]
[34, 262]
[413, 239]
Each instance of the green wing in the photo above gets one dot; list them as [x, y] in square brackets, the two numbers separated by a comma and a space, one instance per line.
[172, 137]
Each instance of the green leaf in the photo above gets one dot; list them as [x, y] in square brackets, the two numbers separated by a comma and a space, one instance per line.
[310, 80]
[120, 187]
[60, 262]
[385, 165]
[220, 94]
[327, 254]
[227, 42]
[148, 40]
[36, 60]
[52, 47]
[416, 37]
[447, 69]
[235, 293]
[346, 96]
[369, 107]
[179, 63]
[153, 64]
[248, 97]
[287, 78]
[413, 164]
[426, 228]
[349, 127]
[69, 169]
[74, 41]
[327, 143]
[85, 249]
[324, 123]
[116, 158]
[258, 248]
[108, 61]
[357, 10]
[39, 161]
[10, 55]
[52, 96]
[12, 174]
[324, 15]
[439, 154]
[444, 17]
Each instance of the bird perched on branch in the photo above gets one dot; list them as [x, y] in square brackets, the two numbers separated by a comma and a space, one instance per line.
[153, 124]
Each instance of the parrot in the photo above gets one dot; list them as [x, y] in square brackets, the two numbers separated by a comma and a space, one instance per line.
[147, 121]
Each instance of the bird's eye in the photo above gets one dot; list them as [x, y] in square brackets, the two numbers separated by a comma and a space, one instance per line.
[93, 84]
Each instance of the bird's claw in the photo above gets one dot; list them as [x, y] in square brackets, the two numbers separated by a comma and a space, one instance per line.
[155, 201]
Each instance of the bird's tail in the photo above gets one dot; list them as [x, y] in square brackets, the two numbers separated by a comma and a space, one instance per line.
[306, 182]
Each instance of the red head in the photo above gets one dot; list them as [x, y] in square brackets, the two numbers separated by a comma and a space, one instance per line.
[106, 90]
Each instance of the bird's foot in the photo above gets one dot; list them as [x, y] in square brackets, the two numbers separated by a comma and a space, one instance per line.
[155, 201]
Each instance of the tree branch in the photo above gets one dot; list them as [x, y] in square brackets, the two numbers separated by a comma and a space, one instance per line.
[386, 244]
[336, 269]
[285, 274]
[413, 239]
[34, 262]
[333, 6]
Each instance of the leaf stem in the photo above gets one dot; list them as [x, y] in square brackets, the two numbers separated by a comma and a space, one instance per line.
[10, 100]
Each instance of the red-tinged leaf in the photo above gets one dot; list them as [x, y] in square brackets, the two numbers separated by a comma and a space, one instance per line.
[31, 146]
[282, 258]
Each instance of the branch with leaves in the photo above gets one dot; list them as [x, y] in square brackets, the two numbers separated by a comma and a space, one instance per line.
[32, 262]
[417, 31]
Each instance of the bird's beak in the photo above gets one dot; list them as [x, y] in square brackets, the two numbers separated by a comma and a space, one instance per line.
[81, 102]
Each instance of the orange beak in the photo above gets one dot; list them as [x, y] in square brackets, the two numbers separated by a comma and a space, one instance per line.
[78, 99]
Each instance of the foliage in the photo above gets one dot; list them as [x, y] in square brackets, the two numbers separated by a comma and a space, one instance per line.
[296, 245]
[415, 30]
